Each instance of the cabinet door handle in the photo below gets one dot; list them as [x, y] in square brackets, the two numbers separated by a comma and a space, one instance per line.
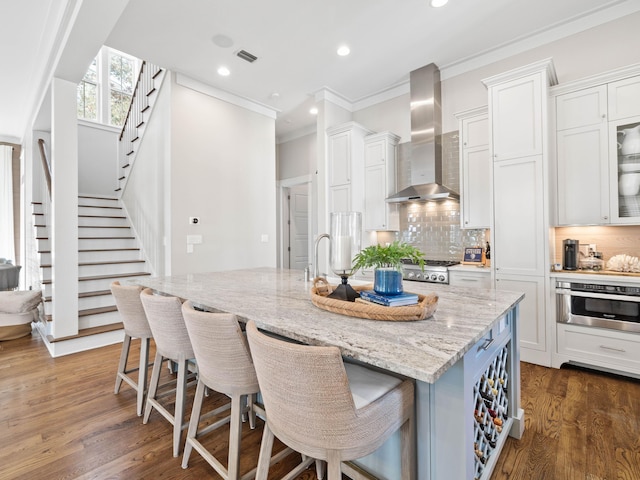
[605, 218]
[621, 350]
[487, 343]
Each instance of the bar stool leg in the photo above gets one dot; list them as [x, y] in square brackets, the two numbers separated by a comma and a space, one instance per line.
[122, 366]
[265, 454]
[234, 436]
[194, 422]
[153, 386]
[142, 374]
[181, 396]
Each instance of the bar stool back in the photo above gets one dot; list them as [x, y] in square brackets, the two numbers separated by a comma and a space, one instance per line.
[328, 410]
[135, 323]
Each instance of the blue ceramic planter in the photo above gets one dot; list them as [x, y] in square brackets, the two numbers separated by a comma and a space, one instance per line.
[387, 281]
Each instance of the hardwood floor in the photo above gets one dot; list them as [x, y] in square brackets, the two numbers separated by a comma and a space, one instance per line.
[59, 419]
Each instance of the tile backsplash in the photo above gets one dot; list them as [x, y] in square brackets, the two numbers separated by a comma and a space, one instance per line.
[434, 227]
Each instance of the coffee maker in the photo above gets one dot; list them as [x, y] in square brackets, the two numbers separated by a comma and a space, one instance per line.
[570, 254]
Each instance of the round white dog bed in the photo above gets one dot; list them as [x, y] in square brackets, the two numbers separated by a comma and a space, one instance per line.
[17, 310]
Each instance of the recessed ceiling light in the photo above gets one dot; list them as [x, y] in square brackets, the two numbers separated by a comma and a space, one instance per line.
[438, 3]
[313, 111]
[343, 50]
[223, 71]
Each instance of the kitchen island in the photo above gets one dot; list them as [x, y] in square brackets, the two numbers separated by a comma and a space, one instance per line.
[468, 344]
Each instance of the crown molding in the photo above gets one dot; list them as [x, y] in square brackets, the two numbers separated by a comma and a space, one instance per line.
[231, 98]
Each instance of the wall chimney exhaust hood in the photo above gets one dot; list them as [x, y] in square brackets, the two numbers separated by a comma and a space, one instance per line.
[426, 140]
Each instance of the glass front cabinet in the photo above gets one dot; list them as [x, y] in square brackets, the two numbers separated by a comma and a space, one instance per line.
[624, 171]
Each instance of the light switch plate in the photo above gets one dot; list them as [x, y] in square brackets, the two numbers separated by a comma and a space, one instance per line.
[264, 238]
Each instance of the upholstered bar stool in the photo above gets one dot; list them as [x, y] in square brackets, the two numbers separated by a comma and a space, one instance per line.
[224, 365]
[327, 409]
[164, 314]
[135, 326]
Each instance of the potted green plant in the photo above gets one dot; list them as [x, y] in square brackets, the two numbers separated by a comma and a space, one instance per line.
[387, 262]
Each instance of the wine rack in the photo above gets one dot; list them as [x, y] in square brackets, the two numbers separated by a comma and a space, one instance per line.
[491, 409]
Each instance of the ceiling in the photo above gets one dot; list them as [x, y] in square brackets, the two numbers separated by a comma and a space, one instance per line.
[296, 42]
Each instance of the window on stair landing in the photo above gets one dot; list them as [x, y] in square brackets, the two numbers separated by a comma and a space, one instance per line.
[104, 94]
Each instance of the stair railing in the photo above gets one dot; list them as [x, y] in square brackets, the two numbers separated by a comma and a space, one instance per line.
[46, 166]
[134, 121]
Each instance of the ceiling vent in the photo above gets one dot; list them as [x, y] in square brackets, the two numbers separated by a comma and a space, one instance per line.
[243, 54]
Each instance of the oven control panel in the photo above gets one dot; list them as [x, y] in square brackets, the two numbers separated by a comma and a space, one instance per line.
[600, 288]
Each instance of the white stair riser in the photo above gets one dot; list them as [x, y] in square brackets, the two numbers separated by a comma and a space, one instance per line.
[98, 319]
[100, 244]
[101, 284]
[99, 211]
[95, 270]
[85, 303]
[102, 221]
[44, 245]
[108, 255]
[42, 232]
[102, 202]
[39, 220]
[114, 268]
[110, 232]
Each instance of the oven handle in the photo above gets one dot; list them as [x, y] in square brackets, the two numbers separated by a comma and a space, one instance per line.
[606, 296]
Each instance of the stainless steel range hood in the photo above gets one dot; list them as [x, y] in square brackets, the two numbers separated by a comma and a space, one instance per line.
[426, 140]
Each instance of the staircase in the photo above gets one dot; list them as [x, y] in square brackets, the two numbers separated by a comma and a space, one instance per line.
[107, 251]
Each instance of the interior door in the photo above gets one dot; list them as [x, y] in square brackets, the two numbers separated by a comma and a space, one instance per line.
[299, 226]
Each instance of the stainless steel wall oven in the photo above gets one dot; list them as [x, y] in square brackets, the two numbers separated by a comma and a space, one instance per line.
[599, 305]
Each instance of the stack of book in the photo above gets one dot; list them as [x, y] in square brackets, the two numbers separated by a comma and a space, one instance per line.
[400, 300]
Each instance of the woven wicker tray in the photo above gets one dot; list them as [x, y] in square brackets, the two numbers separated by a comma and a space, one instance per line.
[426, 307]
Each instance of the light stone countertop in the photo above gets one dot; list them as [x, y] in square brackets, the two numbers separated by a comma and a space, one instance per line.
[279, 302]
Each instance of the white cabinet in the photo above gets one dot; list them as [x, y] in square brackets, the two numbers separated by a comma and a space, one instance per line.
[475, 169]
[380, 181]
[470, 277]
[581, 152]
[624, 98]
[516, 117]
[533, 331]
[597, 179]
[520, 229]
[609, 349]
[345, 157]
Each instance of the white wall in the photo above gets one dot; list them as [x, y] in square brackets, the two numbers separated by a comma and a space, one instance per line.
[97, 159]
[391, 115]
[296, 157]
[593, 51]
[223, 171]
[146, 194]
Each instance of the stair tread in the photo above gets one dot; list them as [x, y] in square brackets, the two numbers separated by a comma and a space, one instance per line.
[86, 264]
[106, 238]
[95, 293]
[100, 206]
[98, 250]
[104, 277]
[104, 226]
[102, 216]
[89, 331]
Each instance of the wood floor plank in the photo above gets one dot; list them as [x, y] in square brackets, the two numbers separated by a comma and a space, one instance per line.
[60, 419]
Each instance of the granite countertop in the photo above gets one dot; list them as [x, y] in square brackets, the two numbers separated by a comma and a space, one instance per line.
[278, 301]
[607, 276]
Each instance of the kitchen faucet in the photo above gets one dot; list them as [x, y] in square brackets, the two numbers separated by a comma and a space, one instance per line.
[316, 270]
